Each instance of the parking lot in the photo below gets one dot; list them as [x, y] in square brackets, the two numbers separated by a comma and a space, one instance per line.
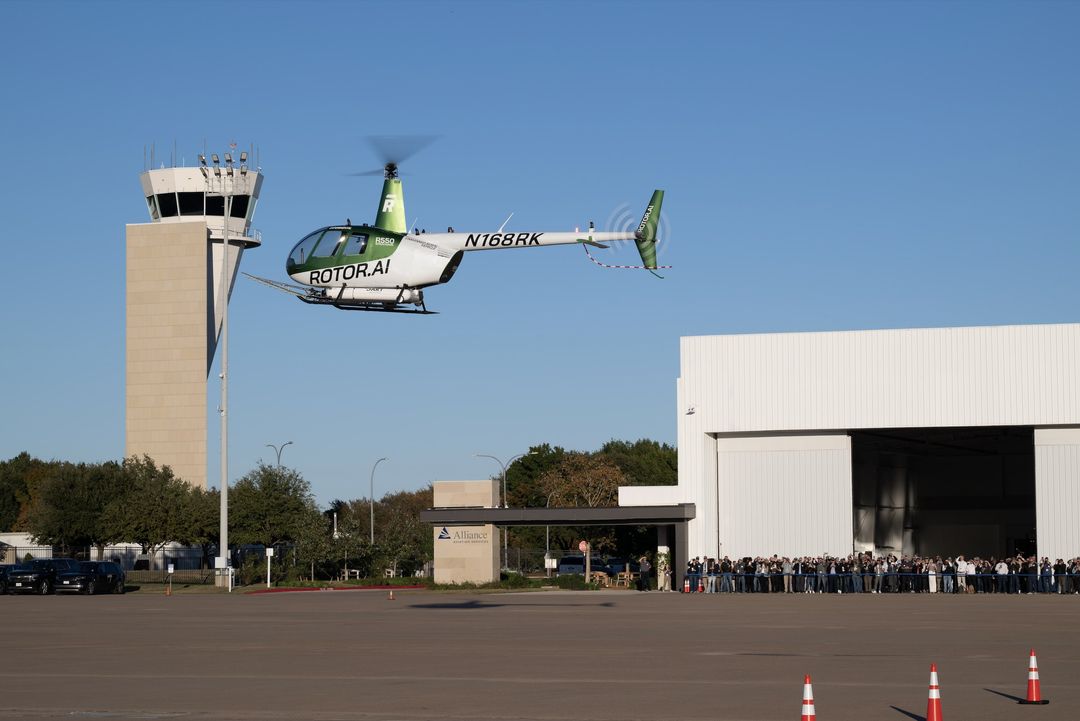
[542, 655]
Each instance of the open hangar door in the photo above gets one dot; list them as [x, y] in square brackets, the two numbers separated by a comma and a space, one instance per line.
[944, 491]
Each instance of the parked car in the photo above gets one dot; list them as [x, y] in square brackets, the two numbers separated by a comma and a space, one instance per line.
[576, 564]
[4, 569]
[39, 576]
[618, 565]
[92, 577]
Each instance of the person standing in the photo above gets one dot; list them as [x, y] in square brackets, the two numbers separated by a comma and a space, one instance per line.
[1001, 570]
[725, 581]
[1059, 573]
[643, 577]
[1046, 573]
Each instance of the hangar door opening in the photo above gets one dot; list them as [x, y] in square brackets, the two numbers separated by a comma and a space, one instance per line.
[944, 491]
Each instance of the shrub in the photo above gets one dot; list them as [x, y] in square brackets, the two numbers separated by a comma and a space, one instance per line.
[574, 582]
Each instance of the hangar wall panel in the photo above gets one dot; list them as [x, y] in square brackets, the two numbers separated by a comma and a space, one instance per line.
[914, 378]
[649, 495]
[1057, 491]
[783, 494]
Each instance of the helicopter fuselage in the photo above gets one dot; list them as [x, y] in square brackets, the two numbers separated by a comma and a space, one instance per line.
[361, 256]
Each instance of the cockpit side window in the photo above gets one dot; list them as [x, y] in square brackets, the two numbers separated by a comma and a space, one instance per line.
[356, 244]
[302, 252]
[330, 242]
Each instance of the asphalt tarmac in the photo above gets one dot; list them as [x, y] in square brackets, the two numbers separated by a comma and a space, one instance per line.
[541, 656]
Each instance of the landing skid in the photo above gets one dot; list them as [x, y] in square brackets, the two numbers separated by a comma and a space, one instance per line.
[307, 295]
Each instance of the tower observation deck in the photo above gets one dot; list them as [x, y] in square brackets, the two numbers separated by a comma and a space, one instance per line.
[175, 267]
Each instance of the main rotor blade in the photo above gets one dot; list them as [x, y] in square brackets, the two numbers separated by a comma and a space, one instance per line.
[398, 148]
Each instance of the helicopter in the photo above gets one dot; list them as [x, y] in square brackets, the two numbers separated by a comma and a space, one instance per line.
[384, 267]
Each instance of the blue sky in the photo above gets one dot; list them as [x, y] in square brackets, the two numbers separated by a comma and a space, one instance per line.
[827, 166]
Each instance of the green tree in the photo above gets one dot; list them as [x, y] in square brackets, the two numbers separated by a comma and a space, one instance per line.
[644, 462]
[351, 547]
[268, 506]
[523, 488]
[68, 508]
[13, 490]
[402, 542]
[155, 508]
[314, 545]
[20, 478]
[203, 520]
[582, 479]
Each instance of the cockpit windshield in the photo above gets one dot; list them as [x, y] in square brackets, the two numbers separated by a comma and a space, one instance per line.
[301, 252]
[327, 242]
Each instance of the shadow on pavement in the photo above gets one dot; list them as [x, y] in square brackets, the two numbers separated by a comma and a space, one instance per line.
[473, 604]
[1006, 695]
[915, 716]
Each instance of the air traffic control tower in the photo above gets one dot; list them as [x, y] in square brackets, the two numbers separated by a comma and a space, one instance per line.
[175, 266]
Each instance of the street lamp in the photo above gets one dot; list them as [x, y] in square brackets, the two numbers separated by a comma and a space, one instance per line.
[225, 187]
[371, 499]
[504, 466]
[278, 450]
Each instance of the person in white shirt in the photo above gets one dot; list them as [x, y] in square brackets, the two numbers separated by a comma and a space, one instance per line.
[1002, 571]
[961, 574]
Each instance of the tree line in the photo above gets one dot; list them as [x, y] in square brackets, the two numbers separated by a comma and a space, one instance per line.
[74, 506]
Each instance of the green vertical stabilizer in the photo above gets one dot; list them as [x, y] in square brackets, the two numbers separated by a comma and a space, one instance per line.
[391, 215]
[645, 237]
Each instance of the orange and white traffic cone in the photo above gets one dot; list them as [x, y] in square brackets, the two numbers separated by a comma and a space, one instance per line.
[1034, 693]
[933, 703]
[808, 712]
[700, 585]
[686, 585]
[390, 597]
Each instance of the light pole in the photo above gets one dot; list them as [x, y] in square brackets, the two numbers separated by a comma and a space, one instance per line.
[504, 466]
[371, 500]
[225, 186]
[278, 450]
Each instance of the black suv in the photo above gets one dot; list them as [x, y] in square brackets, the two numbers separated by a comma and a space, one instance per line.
[92, 577]
[39, 576]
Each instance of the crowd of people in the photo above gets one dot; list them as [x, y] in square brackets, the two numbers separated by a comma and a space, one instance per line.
[864, 573]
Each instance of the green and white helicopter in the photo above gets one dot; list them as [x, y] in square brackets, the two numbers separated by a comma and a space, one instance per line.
[384, 267]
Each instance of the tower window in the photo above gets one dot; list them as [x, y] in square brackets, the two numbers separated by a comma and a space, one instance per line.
[191, 203]
[239, 206]
[167, 204]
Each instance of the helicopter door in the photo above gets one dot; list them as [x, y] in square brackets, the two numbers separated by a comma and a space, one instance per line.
[356, 244]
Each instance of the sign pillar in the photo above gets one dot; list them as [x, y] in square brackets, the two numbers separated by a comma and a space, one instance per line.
[466, 554]
[584, 548]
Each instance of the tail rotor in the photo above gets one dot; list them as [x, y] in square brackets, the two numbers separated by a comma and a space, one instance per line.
[650, 232]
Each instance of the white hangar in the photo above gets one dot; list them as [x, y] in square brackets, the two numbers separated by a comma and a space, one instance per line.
[930, 441]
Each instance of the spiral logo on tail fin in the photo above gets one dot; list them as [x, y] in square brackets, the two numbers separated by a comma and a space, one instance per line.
[625, 218]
